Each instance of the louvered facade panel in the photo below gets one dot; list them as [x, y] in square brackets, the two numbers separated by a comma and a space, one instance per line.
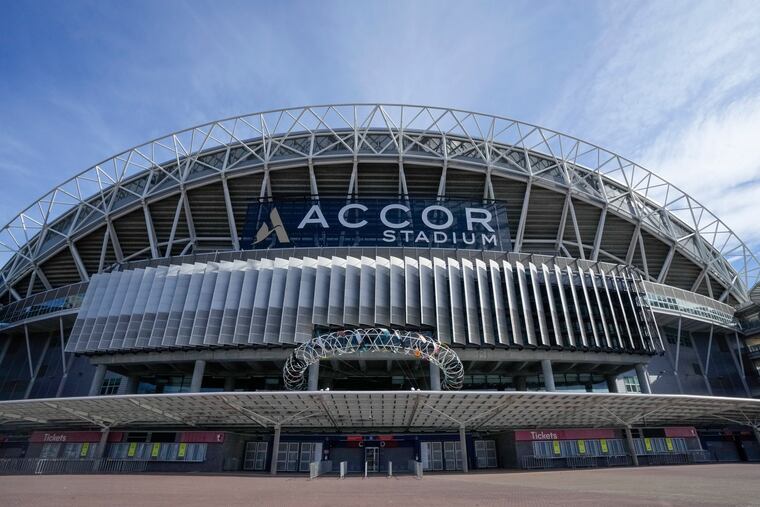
[442, 301]
[213, 331]
[245, 309]
[138, 309]
[337, 291]
[189, 309]
[275, 302]
[456, 293]
[321, 292]
[412, 292]
[474, 327]
[382, 292]
[427, 292]
[367, 292]
[398, 292]
[351, 294]
[514, 301]
[203, 307]
[289, 320]
[306, 294]
[261, 302]
[500, 307]
[531, 338]
[485, 304]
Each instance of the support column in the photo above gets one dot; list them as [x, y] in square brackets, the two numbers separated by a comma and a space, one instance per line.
[631, 446]
[463, 445]
[435, 377]
[229, 384]
[275, 450]
[611, 383]
[520, 383]
[314, 377]
[132, 382]
[97, 380]
[197, 381]
[101, 449]
[756, 431]
[643, 376]
[546, 368]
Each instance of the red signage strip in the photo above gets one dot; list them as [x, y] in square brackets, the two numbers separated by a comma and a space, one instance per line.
[73, 436]
[201, 437]
[568, 434]
[681, 431]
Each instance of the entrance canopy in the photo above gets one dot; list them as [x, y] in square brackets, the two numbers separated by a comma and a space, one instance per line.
[373, 410]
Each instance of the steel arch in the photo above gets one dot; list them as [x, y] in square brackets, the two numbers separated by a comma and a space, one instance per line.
[414, 133]
[341, 343]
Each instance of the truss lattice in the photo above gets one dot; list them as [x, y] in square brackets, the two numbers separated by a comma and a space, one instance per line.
[400, 133]
[340, 343]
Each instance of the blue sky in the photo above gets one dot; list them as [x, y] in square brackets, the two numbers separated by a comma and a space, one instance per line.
[672, 85]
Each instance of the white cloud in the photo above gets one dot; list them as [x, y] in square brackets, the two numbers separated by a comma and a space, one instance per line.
[675, 86]
[716, 158]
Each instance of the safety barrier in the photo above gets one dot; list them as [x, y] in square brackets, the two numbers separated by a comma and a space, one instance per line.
[317, 468]
[701, 456]
[39, 466]
[416, 468]
[667, 459]
[618, 461]
[343, 469]
[581, 462]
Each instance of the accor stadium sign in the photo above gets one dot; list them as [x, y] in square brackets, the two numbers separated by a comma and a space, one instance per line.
[333, 222]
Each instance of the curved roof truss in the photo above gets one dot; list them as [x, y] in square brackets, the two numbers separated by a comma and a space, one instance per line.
[351, 132]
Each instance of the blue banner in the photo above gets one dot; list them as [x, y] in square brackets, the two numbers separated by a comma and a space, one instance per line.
[340, 222]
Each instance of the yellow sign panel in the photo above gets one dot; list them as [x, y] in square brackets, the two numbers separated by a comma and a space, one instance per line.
[85, 449]
[603, 443]
[669, 443]
[182, 450]
[582, 446]
[557, 449]
[154, 451]
[648, 444]
[132, 449]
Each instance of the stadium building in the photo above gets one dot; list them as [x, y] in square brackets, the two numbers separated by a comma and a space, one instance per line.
[372, 284]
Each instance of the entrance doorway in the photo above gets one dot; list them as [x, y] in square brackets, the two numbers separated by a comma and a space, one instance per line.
[372, 458]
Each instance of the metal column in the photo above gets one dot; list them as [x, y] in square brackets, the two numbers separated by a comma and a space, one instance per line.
[643, 376]
[314, 377]
[520, 383]
[435, 377]
[275, 450]
[546, 368]
[101, 449]
[197, 382]
[631, 446]
[463, 445]
[611, 383]
[97, 380]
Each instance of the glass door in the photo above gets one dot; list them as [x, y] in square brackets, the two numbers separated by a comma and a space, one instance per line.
[372, 457]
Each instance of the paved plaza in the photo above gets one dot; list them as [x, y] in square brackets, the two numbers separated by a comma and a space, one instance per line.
[724, 484]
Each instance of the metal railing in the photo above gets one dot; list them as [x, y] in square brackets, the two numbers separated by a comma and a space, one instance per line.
[416, 468]
[700, 456]
[52, 301]
[671, 458]
[40, 466]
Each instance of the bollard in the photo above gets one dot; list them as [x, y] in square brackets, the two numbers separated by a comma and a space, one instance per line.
[390, 469]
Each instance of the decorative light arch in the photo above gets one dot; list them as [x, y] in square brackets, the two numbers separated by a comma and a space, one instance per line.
[341, 343]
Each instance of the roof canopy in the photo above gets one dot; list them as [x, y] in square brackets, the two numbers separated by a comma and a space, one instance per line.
[397, 133]
[375, 410]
